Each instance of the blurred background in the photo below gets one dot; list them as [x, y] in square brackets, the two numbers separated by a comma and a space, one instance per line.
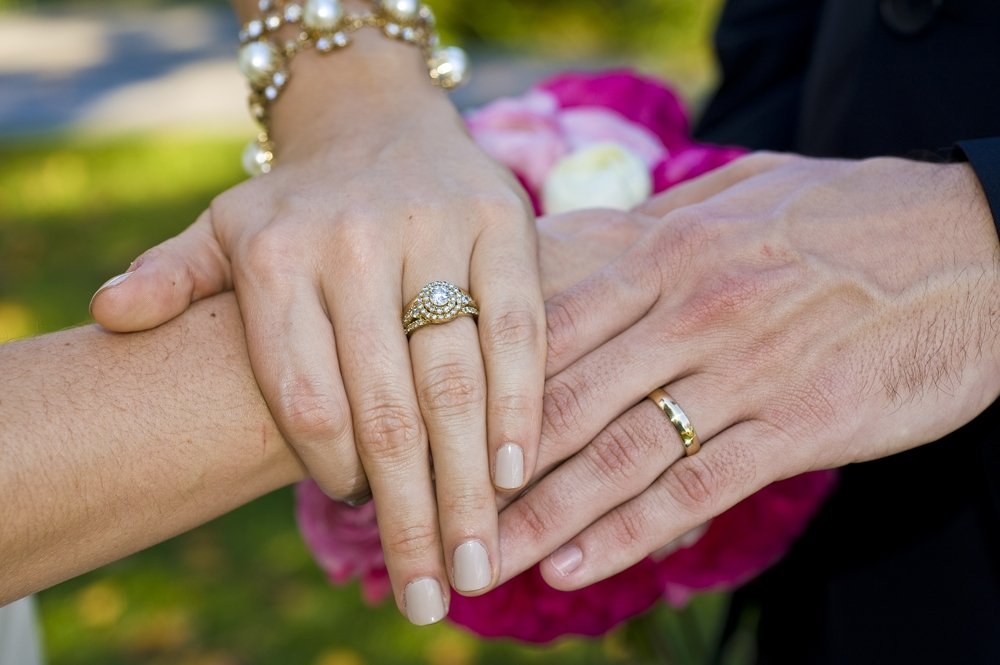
[119, 121]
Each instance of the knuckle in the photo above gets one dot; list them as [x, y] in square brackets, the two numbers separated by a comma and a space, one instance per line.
[502, 205]
[693, 485]
[268, 251]
[561, 328]
[534, 521]
[628, 529]
[388, 430]
[411, 542]
[348, 485]
[517, 330]
[468, 501]
[450, 388]
[309, 415]
[359, 242]
[727, 297]
[562, 408]
[686, 233]
[512, 407]
[616, 454]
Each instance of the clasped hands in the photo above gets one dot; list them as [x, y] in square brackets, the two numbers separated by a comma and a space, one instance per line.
[806, 314]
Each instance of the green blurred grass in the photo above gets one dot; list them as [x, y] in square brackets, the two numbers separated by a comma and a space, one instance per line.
[242, 589]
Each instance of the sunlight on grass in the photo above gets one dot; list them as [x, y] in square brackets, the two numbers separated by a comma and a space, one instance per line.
[16, 321]
[243, 589]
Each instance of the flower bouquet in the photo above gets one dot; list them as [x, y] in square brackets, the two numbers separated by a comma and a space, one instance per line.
[606, 140]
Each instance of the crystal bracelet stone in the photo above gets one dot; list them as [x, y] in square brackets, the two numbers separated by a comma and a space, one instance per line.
[325, 26]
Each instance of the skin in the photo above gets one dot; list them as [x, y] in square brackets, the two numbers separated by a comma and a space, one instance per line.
[770, 298]
[323, 253]
[112, 443]
[805, 313]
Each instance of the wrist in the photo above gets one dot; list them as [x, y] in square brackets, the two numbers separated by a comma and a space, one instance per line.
[377, 78]
[333, 95]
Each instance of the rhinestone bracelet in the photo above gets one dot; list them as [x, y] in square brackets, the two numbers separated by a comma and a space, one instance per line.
[325, 26]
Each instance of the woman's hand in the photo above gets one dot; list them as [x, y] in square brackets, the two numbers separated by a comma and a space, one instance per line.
[377, 191]
[804, 313]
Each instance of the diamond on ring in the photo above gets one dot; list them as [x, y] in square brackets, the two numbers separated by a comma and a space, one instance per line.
[438, 302]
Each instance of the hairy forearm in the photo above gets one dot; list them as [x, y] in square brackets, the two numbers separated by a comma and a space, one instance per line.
[111, 443]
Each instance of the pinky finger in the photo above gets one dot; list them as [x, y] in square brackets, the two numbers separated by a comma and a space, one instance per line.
[729, 468]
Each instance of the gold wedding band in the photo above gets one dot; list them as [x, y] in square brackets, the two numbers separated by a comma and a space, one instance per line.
[438, 302]
[675, 414]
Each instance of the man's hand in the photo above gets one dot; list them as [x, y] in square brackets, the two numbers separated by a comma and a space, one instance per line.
[805, 313]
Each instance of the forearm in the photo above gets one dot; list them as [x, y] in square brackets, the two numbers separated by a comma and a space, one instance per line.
[111, 443]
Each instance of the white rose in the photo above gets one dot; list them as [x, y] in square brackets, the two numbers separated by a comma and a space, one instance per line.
[600, 175]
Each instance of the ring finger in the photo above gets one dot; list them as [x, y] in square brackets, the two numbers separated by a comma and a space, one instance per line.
[618, 465]
[451, 390]
[390, 436]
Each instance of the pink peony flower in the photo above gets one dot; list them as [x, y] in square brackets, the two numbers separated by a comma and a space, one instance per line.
[745, 540]
[738, 545]
[344, 540]
[531, 134]
[526, 608]
[521, 133]
[640, 100]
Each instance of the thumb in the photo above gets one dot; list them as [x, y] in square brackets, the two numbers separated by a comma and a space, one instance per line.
[164, 280]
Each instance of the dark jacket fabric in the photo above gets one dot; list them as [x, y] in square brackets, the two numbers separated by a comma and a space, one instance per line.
[903, 563]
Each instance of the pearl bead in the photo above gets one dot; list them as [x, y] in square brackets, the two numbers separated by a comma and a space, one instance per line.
[257, 158]
[448, 67]
[322, 15]
[258, 61]
[404, 11]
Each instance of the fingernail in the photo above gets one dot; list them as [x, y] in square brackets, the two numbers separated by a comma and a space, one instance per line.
[509, 469]
[472, 566]
[424, 601]
[566, 559]
[114, 281]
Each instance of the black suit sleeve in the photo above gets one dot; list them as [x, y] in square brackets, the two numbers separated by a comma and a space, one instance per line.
[983, 156]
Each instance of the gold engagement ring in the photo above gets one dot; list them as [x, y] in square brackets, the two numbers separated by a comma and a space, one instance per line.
[438, 302]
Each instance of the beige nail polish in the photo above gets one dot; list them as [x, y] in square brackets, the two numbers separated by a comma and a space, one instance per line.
[472, 566]
[508, 472]
[424, 601]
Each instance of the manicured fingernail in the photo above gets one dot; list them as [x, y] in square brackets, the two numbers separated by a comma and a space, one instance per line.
[424, 601]
[509, 470]
[472, 566]
[566, 559]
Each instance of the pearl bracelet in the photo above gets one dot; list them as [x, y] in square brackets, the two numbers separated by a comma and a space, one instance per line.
[325, 26]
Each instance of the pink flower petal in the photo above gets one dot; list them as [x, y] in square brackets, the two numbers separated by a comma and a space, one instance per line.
[586, 125]
[343, 539]
[521, 133]
[641, 100]
[529, 134]
[526, 608]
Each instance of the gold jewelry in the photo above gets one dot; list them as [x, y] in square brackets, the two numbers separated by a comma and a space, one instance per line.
[326, 27]
[436, 303]
[675, 414]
